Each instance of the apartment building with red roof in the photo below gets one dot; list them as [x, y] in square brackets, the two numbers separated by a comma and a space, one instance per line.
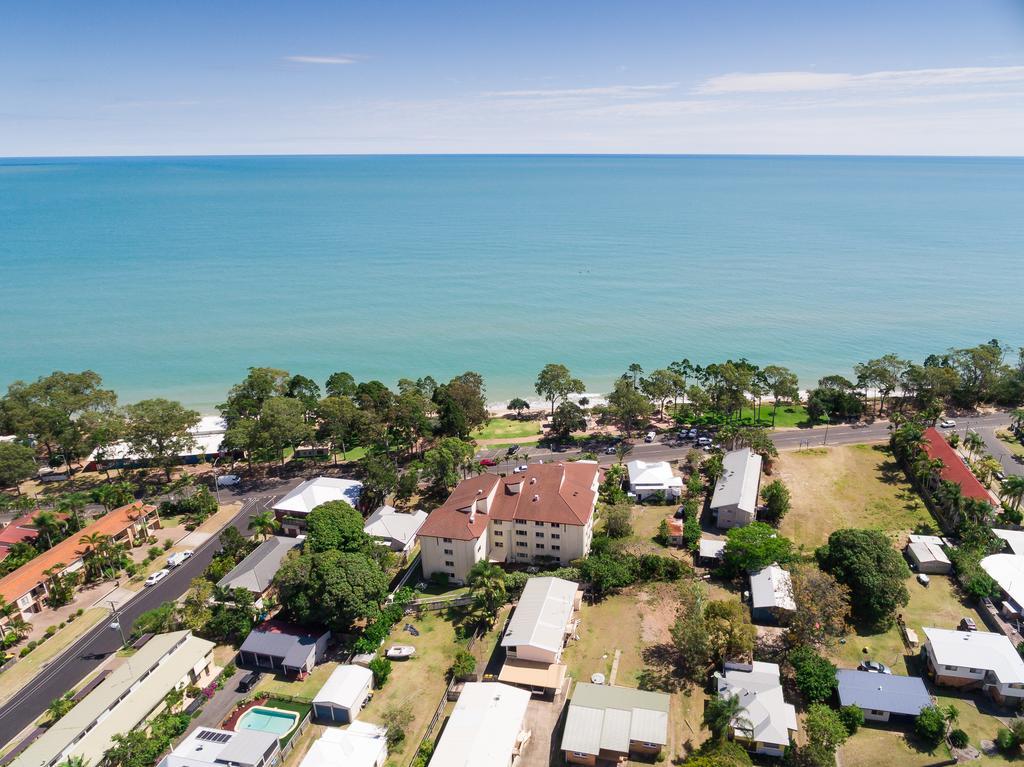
[542, 515]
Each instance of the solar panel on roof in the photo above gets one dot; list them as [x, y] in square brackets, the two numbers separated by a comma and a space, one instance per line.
[213, 737]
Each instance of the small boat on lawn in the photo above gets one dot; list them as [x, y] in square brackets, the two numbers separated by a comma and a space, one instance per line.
[400, 652]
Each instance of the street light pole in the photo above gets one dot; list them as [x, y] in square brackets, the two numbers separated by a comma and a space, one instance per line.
[116, 624]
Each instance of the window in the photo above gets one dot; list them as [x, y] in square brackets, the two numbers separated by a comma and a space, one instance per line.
[521, 544]
[520, 532]
[878, 713]
[538, 535]
[499, 545]
[538, 524]
[540, 545]
[577, 753]
[555, 536]
[449, 563]
[951, 668]
[498, 533]
[447, 540]
[449, 552]
[520, 521]
[652, 745]
[556, 548]
[975, 670]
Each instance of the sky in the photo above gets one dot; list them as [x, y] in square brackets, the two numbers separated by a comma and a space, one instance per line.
[931, 77]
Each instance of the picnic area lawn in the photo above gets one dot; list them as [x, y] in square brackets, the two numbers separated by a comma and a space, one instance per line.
[419, 681]
[507, 428]
[788, 415]
[852, 486]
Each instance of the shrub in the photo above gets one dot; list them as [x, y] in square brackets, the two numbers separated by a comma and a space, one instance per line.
[852, 718]
[423, 755]
[79, 611]
[396, 718]
[1005, 740]
[50, 631]
[958, 739]
[229, 670]
[930, 725]
[26, 650]
[62, 625]
[381, 668]
[662, 537]
[815, 675]
[167, 544]
[463, 665]
[153, 552]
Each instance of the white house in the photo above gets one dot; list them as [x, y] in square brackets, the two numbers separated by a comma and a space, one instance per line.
[975, 660]
[650, 478]
[766, 724]
[734, 502]
[543, 619]
[209, 747]
[292, 510]
[543, 515]
[1014, 539]
[359, 745]
[343, 695]
[485, 729]
[394, 528]
[1007, 570]
[771, 594]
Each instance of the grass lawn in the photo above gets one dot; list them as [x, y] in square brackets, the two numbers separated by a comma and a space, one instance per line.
[786, 417]
[502, 428]
[855, 486]
[418, 682]
[1012, 443]
[610, 625]
[307, 688]
[646, 520]
[873, 746]
[22, 672]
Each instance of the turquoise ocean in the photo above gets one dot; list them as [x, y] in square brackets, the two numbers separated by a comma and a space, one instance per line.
[171, 276]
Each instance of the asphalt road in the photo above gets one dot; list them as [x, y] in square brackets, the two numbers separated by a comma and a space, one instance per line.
[74, 664]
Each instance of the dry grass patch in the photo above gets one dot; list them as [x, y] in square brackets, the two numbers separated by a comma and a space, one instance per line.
[872, 747]
[857, 486]
[609, 625]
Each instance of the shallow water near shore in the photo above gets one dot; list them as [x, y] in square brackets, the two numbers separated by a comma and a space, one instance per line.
[170, 276]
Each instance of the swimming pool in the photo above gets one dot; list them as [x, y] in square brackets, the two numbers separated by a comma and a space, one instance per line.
[272, 720]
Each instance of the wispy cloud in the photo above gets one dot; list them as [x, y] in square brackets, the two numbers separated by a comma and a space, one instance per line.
[792, 82]
[346, 58]
[606, 91]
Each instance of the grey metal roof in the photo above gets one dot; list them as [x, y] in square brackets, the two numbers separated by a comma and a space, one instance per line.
[257, 570]
[772, 587]
[741, 472]
[293, 649]
[604, 716]
[882, 692]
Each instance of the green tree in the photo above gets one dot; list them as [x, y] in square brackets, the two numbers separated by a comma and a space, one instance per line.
[397, 718]
[282, 425]
[246, 399]
[340, 384]
[486, 583]
[815, 675]
[754, 547]
[518, 404]
[659, 386]
[331, 588]
[567, 418]
[381, 668]
[17, 463]
[341, 423]
[233, 615]
[824, 728]
[59, 707]
[618, 521]
[555, 383]
[690, 632]
[866, 562]
[852, 718]
[445, 464]
[379, 481]
[776, 498]
[930, 725]
[731, 635]
[1013, 490]
[159, 620]
[723, 714]
[159, 431]
[463, 665]
[336, 526]
[195, 612]
[264, 524]
[628, 408]
[822, 607]
[783, 384]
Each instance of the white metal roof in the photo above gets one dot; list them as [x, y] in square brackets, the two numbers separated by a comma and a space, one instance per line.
[344, 687]
[210, 746]
[314, 492]
[741, 472]
[483, 729]
[1008, 571]
[652, 474]
[976, 649]
[772, 587]
[540, 617]
[711, 548]
[389, 523]
[361, 745]
[1013, 538]
[763, 704]
[207, 436]
[928, 552]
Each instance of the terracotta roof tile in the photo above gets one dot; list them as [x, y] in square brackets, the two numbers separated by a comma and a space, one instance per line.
[954, 469]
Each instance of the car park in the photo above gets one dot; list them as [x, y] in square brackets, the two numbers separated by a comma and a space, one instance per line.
[179, 558]
[156, 577]
[874, 667]
[692, 434]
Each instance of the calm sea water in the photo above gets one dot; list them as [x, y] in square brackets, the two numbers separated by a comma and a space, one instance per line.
[172, 276]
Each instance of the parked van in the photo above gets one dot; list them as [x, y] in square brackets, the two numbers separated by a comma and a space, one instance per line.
[179, 559]
[650, 436]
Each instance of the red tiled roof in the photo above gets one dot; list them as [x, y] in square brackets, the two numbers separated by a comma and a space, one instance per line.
[20, 530]
[954, 469]
[30, 574]
[675, 526]
[554, 493]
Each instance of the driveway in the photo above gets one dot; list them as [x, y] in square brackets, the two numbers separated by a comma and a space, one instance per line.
[544, 720]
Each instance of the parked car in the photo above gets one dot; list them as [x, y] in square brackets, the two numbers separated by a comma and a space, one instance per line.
[249, 681]
[488, 462]
[680, 512]
[179, 559]
[949, 423]
[609, 451]
[923, 579]
[649, 437]
[512, 450]
[520, 469]
[156, 577]
[874, 667]
[692, 434]
[228, 480]
[967, 624]
[703, 441]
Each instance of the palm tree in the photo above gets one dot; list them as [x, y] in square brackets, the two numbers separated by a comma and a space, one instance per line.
[1013, 489]
[59, 707]
[75, 761]
[986, 469]
[951, 498]
[973, 442]
[49, 525]
[264, 524]
[94, 555]
[723, 714]
[622, 450]
[486, 582]
[105, 495]
[73, 504]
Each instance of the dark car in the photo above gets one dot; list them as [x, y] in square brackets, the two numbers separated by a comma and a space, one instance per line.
[250, 680]
[680, 512]
[874, 666]
[512, 450]
[967, 624]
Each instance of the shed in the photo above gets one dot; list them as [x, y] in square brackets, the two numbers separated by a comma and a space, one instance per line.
[711, 552]
[343, 695]
[880, 696]
[928, 558]
[771, 594]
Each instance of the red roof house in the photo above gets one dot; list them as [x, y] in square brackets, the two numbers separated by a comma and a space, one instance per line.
[953, 467]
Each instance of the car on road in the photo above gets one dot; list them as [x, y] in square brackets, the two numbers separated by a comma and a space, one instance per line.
[512, 450]
[874, 667]
[520, 469]
[649, 437]
[967, 624]
[249, 681]
[156, 577]
[228, 480]
[179, 559]
[703, 441]
[488, 462]
[609, 451]
[949, 423]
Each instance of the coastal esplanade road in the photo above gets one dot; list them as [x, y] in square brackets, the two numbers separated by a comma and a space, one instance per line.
[85, 655]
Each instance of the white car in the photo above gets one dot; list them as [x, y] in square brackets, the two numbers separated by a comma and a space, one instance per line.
[650, 436]
[156, 577]
[228, 480]
[520, 469]
[949, 423]
[704, 442]
[179, 559]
